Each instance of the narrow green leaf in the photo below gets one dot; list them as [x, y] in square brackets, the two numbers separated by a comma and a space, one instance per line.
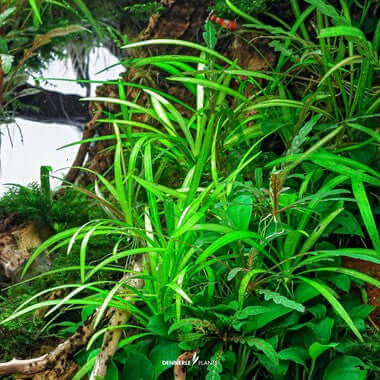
[36, 12]
[326, 292]
[225, 240]
[366, 212]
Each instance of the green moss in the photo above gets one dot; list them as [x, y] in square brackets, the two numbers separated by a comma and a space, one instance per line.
[20, 336]
[30, 205]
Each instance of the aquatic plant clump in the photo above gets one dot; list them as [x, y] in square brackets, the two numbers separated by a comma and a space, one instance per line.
[229, 203]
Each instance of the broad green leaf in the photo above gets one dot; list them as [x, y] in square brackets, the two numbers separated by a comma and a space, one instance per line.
[158, 326]
[251, 310]
[317, 349]
[6, 62]
[362, 311]
[323, 330]
[161, 353]
[112, 372]
[239, 212]
[263, 346]
[137, 366]
[348, 224]
[318, 311]
[345, 367]
[295, 354]
[4, 50]
[227, 239]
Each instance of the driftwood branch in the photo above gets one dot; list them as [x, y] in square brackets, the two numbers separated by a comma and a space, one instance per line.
[111, 337]
[55, 359]
[179, 370]
[88, 132]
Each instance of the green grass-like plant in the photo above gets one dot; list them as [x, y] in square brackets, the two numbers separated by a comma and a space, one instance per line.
[241, 247]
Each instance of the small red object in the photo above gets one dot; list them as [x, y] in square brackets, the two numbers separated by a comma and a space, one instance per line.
[228, 24]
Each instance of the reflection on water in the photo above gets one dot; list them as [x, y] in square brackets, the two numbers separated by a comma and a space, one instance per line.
[22, 155]
[100, 58]
[37, 146]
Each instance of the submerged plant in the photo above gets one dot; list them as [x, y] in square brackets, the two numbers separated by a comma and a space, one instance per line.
[222, 250]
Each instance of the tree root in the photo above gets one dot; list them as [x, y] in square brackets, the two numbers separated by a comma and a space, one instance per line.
[55, 359]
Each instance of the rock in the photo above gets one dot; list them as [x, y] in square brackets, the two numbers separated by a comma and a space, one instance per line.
[16, 246]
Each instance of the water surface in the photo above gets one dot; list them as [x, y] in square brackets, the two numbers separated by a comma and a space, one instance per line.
[27, 145]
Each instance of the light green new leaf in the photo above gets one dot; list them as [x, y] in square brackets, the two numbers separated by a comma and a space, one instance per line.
[346, 31]
[317, 349]
[180, 291]
[36, 12]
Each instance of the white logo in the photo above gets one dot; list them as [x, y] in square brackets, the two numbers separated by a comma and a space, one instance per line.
[195, 358]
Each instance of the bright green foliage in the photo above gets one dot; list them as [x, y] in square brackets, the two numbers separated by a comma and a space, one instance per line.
[242, 218]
